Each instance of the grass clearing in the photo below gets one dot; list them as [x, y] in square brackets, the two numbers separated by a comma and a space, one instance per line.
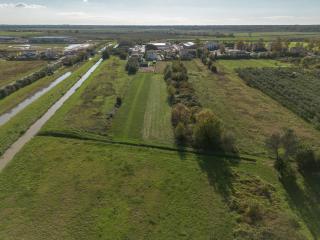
[10, 71]
[249, 113]
[69, 189]
[145, 114]
[230, 65]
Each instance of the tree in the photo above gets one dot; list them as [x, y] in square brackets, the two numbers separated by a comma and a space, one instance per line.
[207, 131]
[290, 143]
[105, 55]
[132, 66]
[240, 45]
[180, 132]
[273, 144]
[180, 113]
[222, 48]
[168, 72]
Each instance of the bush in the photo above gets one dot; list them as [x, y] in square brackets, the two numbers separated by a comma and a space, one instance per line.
[228, 142]
[171, 92]
[132, 66]
[181, 132]
[307, 160]
[214, 69]
[254, 213]
[105, 54]
[180, 114]
[207, 131]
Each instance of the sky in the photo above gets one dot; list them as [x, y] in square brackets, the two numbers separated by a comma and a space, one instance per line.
[160, 12]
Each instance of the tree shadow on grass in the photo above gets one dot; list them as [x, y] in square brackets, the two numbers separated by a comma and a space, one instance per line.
[219, 171]
[305, 201]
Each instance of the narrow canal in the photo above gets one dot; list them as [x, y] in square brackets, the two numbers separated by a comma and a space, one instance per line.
[14, 111]
[35, 128]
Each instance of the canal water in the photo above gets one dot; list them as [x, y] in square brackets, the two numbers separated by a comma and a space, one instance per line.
[14, 111]
[35, 128]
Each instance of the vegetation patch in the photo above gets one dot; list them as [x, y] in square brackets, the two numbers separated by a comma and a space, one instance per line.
[296, 89]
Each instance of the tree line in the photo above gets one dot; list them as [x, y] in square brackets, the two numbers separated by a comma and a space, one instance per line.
[193, 125]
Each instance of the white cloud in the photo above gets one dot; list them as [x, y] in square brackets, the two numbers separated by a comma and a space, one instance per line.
[21, 5]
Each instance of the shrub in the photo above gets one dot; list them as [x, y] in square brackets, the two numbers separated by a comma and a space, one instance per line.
[228, 142]
[181, 132]
[214, 69]
[105, 54]
[207, 131]
[180, 114]
[307, 160]
[132, 66]
[171, 92]
[254, 213]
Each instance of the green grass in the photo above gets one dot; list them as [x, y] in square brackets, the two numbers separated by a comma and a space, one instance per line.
[145, 114]
[10, 71]
[249, 113]
[68, 189]
[87, 110]
[12, 130]
[230, 65]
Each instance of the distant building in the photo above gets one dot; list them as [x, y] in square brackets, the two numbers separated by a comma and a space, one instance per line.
[187, 54]
[161, 46]
[189, 45]
[211, 46]
[236, 53]
[5, 39]
[151, 55]
[75, 48]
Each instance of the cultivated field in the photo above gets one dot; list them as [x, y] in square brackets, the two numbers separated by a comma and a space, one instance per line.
[250, 114]
[10, 71]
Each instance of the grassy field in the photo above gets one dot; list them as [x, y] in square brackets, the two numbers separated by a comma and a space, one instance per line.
[145, 115]
[11, 131]
[68, 189]
[249, 113]
[87, 110]
[10, 71]
[230, 65]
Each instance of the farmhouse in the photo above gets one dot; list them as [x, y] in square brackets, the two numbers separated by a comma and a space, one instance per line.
[151, 55]
[161, 46]
[211, 46]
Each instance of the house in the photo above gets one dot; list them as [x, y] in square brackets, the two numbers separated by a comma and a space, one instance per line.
[211, 46]
[236, 53]
[161, 46]
[189, 45]
[151, 55]
[187, 54]
[75, 48]
[138, 52]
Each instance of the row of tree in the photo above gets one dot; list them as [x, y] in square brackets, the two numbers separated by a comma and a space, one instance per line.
[193, 125]
[46, 71]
